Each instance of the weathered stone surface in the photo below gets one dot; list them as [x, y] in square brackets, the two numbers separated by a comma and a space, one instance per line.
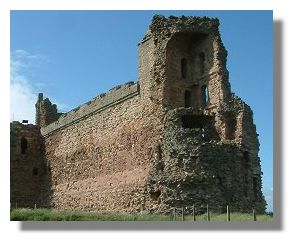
[98, 104]
[29, 184]
[177, 137]
[46, 112]
[193, 166]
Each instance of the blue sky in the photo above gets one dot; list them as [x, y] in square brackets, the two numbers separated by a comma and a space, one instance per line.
[72, 56]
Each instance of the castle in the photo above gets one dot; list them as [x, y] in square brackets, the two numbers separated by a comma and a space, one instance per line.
[177, 137]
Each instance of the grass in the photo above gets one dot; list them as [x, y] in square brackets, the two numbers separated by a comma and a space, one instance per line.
[25, 214]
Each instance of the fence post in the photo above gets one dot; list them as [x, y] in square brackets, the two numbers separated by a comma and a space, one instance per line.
[228, 214]
[193, 212]
[182, 214]
[174, 214]
[254, 215]
[208, 213]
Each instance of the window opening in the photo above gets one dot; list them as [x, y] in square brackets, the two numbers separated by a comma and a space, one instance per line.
[183, 68]
[35, 171]
[201, 63]
[191, 121]
[204, 95]
[187, 98]
[23, 145]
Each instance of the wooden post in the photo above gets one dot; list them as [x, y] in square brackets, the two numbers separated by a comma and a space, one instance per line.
[193, 212]
[35, 206]
[174, 214]
[228, 214]
[254, 215]
[208, 213]
[182, 214]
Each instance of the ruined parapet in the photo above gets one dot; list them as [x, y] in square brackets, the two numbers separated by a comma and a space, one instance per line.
[29, 182]
[46, 112]
[100, 103]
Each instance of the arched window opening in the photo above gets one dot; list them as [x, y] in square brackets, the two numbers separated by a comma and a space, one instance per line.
[204, 95]
[187, 99]
[23, 145]
[201, 63]
[183, 68]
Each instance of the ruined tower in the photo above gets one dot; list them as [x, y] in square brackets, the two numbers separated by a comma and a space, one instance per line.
[177, 137]
[46, 112]
[29, 181]
[208, 153]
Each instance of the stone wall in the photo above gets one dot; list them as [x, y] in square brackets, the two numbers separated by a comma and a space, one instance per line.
[115, 96]
[192, 166]
[46, 112]
[29, 181]
[99, 162]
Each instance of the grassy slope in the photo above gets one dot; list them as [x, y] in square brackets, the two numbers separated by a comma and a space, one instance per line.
[56, 215]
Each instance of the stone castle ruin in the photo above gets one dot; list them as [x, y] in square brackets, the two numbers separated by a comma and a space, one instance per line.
[175, 138]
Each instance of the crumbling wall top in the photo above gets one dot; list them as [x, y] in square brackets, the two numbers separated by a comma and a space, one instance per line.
[16, 125]
[115, 96]
[165, 27]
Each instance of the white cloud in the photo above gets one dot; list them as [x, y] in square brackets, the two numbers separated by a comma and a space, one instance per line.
[22, 100]
[22, 96]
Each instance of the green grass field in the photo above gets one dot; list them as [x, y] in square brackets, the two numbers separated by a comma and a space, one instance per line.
[23, 214]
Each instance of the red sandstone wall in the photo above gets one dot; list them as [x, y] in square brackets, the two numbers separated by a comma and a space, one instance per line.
[98, 163]
[27, 166]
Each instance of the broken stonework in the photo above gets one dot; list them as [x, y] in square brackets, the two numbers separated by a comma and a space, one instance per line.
[175, 138]
[191, 165]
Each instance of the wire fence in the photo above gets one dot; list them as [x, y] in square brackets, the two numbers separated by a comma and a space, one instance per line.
[178, 213]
